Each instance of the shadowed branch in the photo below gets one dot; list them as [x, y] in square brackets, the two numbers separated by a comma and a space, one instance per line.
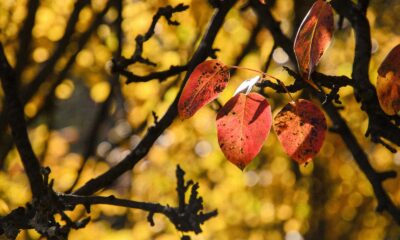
[359, 71]
[204, 49]
[15, 115]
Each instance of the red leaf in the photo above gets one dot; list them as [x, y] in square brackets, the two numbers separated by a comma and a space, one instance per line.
[301, 128]
[313, 37]
[388, 84]
[207, 80]
[243, 124]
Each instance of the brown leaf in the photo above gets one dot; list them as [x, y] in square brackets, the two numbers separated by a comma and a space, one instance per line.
[301, 128]
[388, 84]
[313, 37]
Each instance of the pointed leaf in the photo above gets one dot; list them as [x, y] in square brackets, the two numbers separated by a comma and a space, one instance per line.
[301, 128]
[243, 123]
[313, 37]
[388, 84]
[207, 80]
[247, 85]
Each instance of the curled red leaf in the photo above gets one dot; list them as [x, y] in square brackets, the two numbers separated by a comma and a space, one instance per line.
[243, 123]
[313, 37]
[301, 128]
[205, 83]
[388, 83]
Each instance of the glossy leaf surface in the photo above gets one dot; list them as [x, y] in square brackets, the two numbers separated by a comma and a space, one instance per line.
[247, 85]
[207, 80]
[388, 83]
[243, 123]
[313, 37]
[301, 128]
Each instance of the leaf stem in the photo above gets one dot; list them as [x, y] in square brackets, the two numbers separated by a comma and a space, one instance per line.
[264, 75]
[286, 90]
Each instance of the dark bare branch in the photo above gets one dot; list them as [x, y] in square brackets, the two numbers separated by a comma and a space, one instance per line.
[48, 67]
[188, 216]
[360, 77]
[15, 115]
[49, 98]
[161, 76]
[25, 37]
[380, 125]
[154, 132]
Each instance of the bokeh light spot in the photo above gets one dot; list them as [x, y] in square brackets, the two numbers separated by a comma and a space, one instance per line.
[100, 91]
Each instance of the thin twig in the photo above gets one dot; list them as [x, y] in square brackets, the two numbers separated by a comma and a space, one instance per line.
[25, 38]
[161, 76]
[188, 216]
[49, 65]
[49, 98]
[380, 125]
[120, 64]
[375, 178]
[269, 59]
[153, 133]
[101, 116]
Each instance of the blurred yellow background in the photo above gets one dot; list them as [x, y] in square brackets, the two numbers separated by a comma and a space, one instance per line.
[273, 198]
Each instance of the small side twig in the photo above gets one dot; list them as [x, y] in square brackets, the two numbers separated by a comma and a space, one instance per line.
[154, 132]
[388, 131]
[119, 64]
[25, 37]
[6, 144]
[187, 217]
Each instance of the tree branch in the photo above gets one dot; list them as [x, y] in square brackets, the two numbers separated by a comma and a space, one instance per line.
[204, 49]
[186, 217]
[15, 115]
[332, 82]
[7, 144]
[121, 63]
[161, 76]
[384, 201]
[380, 125]
[25, 38]
[102, 112]
[48, 67]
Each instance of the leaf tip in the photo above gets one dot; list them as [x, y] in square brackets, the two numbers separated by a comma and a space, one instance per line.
[306, 162]
[241, 166]
[182, 116]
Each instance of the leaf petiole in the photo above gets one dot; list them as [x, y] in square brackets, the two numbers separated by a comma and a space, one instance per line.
[264, 75]
[286, 90]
